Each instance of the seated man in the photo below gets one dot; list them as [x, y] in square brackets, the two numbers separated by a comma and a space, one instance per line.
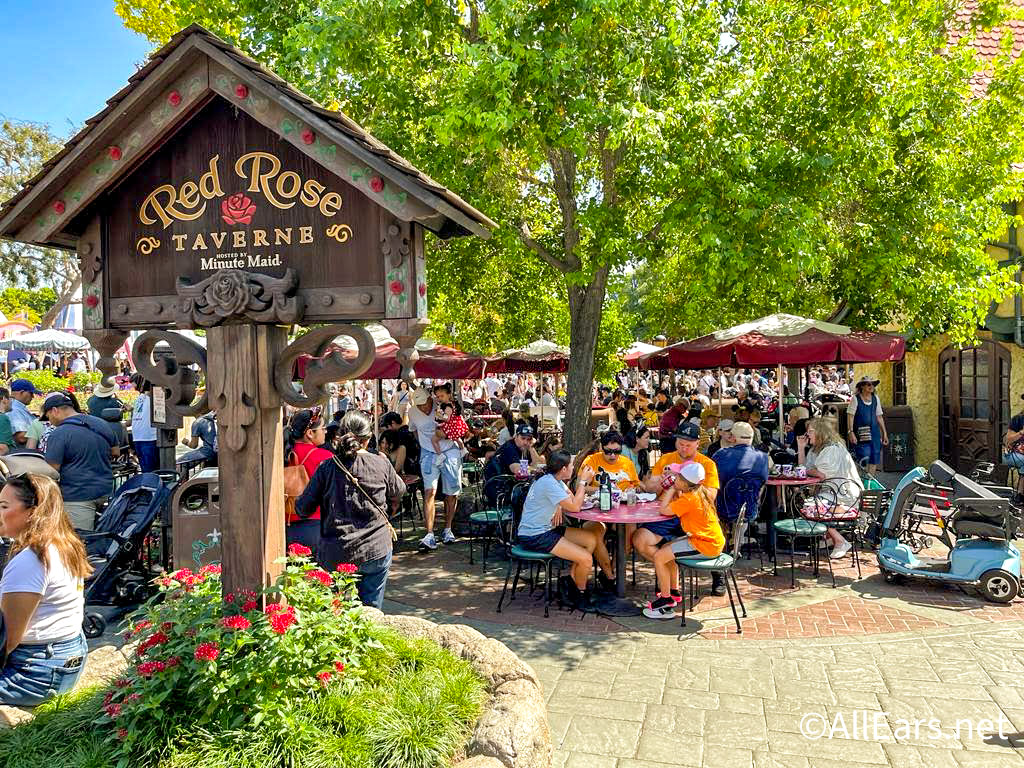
[697, 532]
[611, 460]
[687, 441]
[741, 460]
[508, 460]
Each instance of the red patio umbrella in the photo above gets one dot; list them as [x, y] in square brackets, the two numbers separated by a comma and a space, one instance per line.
[778, 340]
[632, 354]
[538, 357]
[437, 362]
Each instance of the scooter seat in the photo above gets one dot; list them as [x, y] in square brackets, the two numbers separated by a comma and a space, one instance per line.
[979, 529]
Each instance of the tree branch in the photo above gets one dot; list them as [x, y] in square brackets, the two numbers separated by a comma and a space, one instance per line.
[563, 167]
[541, 252]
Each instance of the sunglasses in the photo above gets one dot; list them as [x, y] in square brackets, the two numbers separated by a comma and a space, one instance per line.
[612, 451]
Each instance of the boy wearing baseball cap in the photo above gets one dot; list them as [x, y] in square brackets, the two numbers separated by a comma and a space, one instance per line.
[694, 507]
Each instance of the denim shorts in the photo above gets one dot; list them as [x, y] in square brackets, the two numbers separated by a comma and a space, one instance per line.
[543, 542]
[447, 467]
[34, 673]
[664, 528]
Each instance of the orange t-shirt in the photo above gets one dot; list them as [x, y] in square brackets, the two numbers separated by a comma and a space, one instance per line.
[673, 457]
[700, 521]
[622, 464]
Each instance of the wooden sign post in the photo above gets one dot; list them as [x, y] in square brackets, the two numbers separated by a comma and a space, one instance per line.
[211, 194]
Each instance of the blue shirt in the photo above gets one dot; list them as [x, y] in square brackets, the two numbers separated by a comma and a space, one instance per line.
[539, 507]
[80, 447]
[206, 430]
[20, 416]
[740, 461]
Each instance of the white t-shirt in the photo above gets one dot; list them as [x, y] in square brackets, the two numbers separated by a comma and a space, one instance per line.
[835, 462]
[425, 426]
[62, 607]
[142, 427]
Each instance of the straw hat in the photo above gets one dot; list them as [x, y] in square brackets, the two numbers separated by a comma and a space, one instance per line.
[104, 390]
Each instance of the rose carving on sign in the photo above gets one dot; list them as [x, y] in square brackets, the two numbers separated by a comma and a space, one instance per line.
[237, 209]
[228, 294]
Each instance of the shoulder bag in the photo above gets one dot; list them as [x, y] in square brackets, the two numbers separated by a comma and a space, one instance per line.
[296, 479]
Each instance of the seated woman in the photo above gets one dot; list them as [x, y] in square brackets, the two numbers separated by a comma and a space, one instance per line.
[829, 459]
[694, 531]
[610, 460]
[41, 593]
[637, 449]
[542, 528]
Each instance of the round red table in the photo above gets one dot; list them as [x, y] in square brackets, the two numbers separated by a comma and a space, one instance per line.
[620, 516]
[784, 484]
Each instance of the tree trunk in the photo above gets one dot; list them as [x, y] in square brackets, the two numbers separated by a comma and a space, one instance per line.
[585, 305]
[64, 300]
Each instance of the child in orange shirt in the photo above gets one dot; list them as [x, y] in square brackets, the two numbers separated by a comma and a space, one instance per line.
[689, 501]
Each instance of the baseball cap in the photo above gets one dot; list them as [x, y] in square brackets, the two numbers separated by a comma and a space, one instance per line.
[24, 385]
[742, 430]
[420, 396]
[524, 430]
[688, 431]
[726, 425]
[690, 471]
[55, 400]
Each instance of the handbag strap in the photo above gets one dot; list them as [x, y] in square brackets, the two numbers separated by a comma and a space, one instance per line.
[366, 494]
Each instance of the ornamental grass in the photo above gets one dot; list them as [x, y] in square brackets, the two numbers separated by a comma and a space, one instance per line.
[305, 682]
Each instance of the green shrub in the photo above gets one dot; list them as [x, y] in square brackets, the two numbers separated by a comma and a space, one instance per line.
[84, 381]
[47, 381]
[413, 707]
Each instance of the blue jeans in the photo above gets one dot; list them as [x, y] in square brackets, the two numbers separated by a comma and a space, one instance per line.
[34, 673]
[373, 577]
[147, 454]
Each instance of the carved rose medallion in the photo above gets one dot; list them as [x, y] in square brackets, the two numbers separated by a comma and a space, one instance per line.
[237, 209]
[228, 294]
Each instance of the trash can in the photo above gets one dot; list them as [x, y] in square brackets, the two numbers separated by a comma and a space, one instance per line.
[196, 521]
[898, 456]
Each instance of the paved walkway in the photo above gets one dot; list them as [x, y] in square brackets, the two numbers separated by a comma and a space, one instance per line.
[868, 657]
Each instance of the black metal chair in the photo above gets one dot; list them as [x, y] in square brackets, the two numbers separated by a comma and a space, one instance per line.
[519, 556]
[484, 523]
[741, 497]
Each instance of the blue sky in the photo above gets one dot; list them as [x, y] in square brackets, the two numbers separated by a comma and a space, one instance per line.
[61, 60]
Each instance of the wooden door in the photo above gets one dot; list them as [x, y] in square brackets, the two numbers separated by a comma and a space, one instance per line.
[974, 404]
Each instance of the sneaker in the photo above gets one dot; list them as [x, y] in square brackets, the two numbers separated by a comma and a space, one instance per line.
[448, 537]
[661, 608]
[677, 596]
[717, 584]
[605, 582]
[428, 542]
[568, 592]
[841, 550]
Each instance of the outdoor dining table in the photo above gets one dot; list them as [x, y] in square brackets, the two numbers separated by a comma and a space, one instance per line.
[785, 487]
[620, 517]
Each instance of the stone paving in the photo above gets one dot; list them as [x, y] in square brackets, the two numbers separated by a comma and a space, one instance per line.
[869, 657]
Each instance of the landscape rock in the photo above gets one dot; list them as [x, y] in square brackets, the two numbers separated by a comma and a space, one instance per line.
[101, 665]
[496, 663]
[410, 626]
[11, 716]
[480, 761]
[514, 728]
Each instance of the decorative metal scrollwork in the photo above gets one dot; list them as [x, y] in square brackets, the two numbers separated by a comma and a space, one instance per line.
[325, 367]
[233, 295]
[171, 371]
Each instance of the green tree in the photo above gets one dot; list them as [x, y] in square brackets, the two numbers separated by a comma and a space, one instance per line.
[730, 157]
[33, 303]
[23, 149]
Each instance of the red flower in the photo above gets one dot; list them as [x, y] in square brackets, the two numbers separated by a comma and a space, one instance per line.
[319, 575]
[144, 624]
[339, 666]
[108, 698]
[92, 301]
[185, 576]
[377, 184]
[210, 570]
[157, 638]
[115, 153]
[250, 605]
[207, 652]
[122, 733]
[123, 682]
[307, 136]
[396, 286]
[133, 697]
[324, 677]
[149, 668]
[173, 661]
[241, 90]
[113, 710]
[229, 598]
[280, 622]
[336, 603]
[299, 550]
[235, 622]
[174, 98]
[167, 626]
[346, 568]
[273, 608]
[237, 209]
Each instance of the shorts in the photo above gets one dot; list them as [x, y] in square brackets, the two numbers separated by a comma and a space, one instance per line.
[664, 528]
[871, 452]
[543, 542]
[447, 467]
[1014, 459]
[681, 545]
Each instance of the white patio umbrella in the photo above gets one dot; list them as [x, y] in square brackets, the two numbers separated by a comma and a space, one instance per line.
[50, 340]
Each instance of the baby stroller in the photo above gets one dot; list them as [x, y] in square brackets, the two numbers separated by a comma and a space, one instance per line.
[116, 549]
